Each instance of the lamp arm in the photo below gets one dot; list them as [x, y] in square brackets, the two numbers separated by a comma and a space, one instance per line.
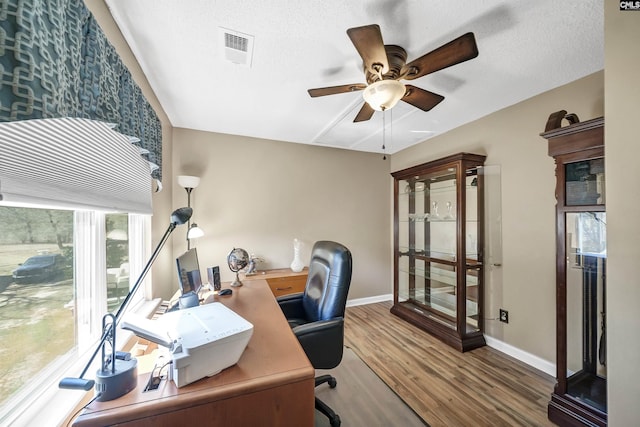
[146, 269]
[107, 330]
[116, 384]
[105, 335]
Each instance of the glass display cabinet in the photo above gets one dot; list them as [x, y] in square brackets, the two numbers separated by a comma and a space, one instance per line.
[438, 248]
[579, 397]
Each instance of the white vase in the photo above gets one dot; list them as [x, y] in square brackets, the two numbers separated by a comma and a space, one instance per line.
[297, 265]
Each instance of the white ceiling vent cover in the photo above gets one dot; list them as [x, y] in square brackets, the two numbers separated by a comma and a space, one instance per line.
[237, 47]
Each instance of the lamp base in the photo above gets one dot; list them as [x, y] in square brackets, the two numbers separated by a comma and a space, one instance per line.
[112, 385]
[236, 283]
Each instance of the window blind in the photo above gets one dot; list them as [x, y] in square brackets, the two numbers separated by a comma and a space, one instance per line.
[55, 62]
[72, 163]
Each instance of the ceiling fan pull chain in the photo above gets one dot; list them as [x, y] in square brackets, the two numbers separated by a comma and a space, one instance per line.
[384, 131]
[391, 127]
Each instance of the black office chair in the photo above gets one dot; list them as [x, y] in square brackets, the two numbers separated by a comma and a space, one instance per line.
[317, 314]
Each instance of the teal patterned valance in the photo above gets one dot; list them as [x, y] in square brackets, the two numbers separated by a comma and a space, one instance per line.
[55, 62]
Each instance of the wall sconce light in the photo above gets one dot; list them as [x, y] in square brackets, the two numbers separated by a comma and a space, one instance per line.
[189, 183]
[383, 94]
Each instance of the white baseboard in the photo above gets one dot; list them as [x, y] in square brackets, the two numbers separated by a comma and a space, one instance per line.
[369, 300]
[523, 356]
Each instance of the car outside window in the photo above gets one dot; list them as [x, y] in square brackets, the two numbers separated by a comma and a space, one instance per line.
[40, 268]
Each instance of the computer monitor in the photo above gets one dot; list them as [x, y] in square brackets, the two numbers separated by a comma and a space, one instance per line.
[189, 272]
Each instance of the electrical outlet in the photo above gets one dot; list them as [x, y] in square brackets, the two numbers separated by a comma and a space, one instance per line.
[504, 316]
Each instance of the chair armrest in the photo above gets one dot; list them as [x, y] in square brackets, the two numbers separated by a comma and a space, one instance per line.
[322, 342]
[291, 305]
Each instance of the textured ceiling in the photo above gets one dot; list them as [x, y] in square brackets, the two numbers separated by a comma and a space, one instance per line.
[525, 48]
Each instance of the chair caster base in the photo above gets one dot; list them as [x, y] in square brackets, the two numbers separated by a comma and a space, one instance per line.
[334, 419]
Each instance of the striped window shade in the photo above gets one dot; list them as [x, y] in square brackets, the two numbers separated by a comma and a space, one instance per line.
[72, 163]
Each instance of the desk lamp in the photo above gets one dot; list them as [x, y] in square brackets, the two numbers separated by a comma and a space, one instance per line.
[118, 372]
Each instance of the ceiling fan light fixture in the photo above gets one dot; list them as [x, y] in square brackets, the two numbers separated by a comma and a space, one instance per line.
[383, 94]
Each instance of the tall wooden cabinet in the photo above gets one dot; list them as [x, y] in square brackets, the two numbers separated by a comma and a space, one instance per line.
[579, 397]
[438, 248]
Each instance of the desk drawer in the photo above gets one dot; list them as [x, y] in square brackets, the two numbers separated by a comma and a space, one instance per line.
[287, 285]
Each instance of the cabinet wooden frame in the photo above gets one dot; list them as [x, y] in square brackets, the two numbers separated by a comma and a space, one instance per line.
[581, 141]
[453, 329]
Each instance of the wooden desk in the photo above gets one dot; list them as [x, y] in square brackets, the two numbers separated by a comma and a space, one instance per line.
[271, 385]
[282, 281]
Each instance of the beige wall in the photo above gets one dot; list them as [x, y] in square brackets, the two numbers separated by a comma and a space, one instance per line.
[162, 201]
[622, 151]
[346, 196]
[525, 283]
[259, 195]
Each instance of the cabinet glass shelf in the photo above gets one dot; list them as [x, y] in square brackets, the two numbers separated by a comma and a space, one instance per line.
[436, 253]
[442, 277]
[422, 217]
[448, 189]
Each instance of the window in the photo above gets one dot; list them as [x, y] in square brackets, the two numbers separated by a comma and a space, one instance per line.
[60, 271]
[117, 257]
[36, 292]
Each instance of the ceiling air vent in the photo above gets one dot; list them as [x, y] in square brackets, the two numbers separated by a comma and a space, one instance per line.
[237, 47]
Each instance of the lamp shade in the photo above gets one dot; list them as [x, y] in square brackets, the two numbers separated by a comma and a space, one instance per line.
[194, 232]
[383, 94]
[181, 215]
[187, 181]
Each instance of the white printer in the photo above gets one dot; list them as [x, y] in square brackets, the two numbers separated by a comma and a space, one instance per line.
[200, 341]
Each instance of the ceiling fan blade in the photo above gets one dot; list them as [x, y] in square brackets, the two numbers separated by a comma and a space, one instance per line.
[456, 51]
[369, 44]
[332, 90]
[420, 98]
[365, 113]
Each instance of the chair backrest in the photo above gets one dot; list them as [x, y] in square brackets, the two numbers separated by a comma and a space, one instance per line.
[325, 294]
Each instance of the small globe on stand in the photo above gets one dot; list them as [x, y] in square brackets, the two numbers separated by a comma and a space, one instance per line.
[237, 260]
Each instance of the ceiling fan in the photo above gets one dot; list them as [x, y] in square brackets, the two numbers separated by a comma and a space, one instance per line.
[385, 65]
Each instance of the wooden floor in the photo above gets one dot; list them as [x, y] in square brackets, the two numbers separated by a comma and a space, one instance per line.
[483, 387]
[361, 398]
